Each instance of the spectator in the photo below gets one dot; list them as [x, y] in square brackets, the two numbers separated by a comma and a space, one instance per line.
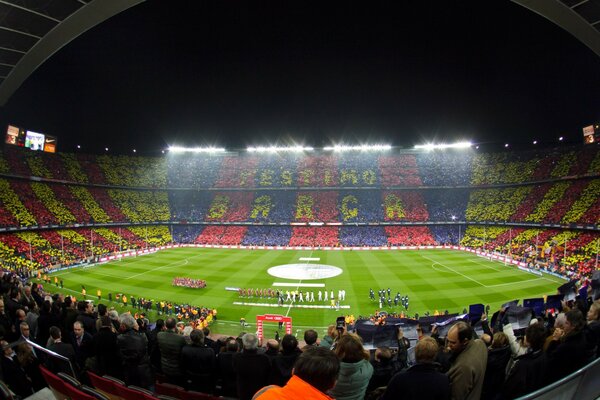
[251, 367]
[310, 338]
[171, 343]
[13, 373]
[315, 373]
[527, 372]
[86, 316]
[82, 344]
[355, 368]
[383, 369]
[283, 363]
[106, 348]
[569, 349]
[198, 363]
[469, 361]
[593, 327]
[226, 373]
[423, 380]
[499, 354]
[64, 349]
[133, 349]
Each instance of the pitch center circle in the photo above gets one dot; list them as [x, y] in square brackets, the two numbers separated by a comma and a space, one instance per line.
[304, 271]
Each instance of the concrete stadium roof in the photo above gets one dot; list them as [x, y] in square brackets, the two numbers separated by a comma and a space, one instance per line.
[31, 31]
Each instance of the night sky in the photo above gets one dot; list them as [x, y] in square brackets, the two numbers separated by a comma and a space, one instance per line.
[233, 73]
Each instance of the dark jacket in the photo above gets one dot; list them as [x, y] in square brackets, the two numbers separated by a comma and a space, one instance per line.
[526, 375]
[421, 381]
[252, 371]
[170, 344]
[84, 350]
[108, 358]
[495, 371]
[65, 350]
[133, 349]
[566, 356]
[282, 366]
[226, 375]
[198, 364]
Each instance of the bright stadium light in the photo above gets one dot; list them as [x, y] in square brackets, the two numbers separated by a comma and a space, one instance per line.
[278, 149]
[179, 149]
[338, 148]
[442, 146]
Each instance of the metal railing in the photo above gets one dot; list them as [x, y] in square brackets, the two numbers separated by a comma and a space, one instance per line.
[583, 384]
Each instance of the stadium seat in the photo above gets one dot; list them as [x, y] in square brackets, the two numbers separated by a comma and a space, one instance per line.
[135, 393]
[94, 393]
[168, 389]
[191, 395]
[69, 379]
[104, 386]
[57, 385]
[5, 393]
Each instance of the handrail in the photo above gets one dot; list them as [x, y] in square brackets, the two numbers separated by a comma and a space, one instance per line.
[583, 388]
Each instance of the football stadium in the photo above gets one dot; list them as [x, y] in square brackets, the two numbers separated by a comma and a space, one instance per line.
[351, 270]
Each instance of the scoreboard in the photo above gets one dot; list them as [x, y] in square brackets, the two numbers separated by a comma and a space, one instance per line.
[29, 139]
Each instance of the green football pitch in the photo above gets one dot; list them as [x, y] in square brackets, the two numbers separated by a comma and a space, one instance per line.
[433, 279]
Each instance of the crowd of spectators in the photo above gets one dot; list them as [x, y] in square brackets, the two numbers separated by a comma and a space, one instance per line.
[472, 358]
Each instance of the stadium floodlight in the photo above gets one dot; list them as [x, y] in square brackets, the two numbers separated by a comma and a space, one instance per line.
[338, 148]
[278, 149]
[179, 149]
[442, 146]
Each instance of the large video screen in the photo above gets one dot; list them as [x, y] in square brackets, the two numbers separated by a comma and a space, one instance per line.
[34, 140]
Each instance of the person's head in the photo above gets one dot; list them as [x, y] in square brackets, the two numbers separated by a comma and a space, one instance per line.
[6, 349]
[197, 337]
[206, 331]
[383, 355]
[27, 290]
[55, 332]
[310, 337]
[426, 350]
[487, 339]
[113, 315]
[24, 328]
[250, 342]
[535, 336]
[575, 321]
[78, 329]
[171, 323]
[231, 345]
[559, 321]
[500, 340]
[349, 349]
[272, 345]
[82, 306]
[102, 310]
[160, 325]
[289, 343]
[21, 315]
[319, 367]
[187, 330]
[1, 306]
[459, 336]
[593, 313]
[127, 321]
[180, 326]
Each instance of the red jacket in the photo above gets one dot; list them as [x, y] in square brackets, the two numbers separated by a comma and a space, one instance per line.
[295, 389]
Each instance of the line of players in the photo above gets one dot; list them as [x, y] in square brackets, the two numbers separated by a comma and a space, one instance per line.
[383, 301]
[293, 295]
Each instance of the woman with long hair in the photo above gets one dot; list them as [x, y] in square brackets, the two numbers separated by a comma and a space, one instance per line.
[355, 368]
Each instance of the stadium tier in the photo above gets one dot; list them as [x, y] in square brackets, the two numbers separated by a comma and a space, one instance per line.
[64, 208]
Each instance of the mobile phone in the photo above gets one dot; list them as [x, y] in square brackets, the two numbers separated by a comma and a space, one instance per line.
[340, 323]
